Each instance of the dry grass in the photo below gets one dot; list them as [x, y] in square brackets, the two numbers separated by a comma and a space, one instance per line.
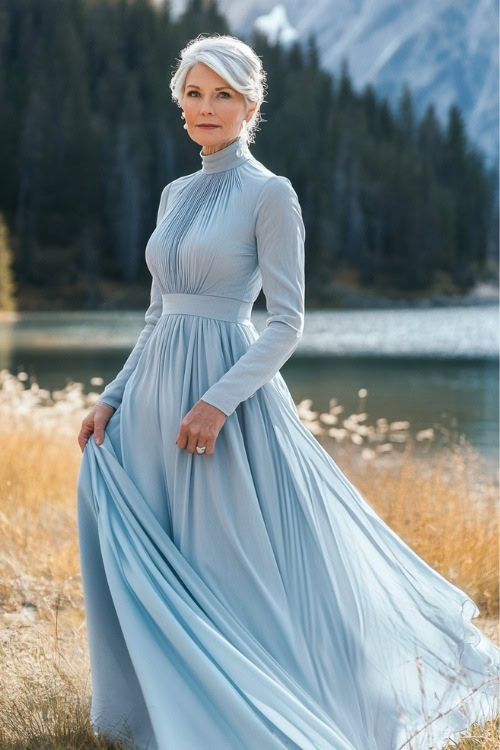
[443, 504]
[442, 509]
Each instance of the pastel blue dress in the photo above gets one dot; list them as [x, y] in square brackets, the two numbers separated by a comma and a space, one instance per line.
[252, 599]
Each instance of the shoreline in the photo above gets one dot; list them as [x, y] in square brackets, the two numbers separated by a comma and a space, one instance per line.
[348, 297]
[341, 296]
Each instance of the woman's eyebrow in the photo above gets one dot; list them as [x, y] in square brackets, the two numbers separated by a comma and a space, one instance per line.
[218, 88]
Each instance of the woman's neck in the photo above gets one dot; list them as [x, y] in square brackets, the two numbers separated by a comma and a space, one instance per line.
[214, 149]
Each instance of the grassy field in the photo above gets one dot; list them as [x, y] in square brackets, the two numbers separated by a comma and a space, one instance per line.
[441, 502]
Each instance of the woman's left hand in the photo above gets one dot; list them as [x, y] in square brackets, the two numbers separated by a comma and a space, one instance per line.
[200, 427]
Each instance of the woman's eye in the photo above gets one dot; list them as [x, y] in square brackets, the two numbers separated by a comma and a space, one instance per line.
[220, 92]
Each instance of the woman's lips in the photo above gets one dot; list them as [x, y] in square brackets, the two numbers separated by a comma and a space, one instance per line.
[208, 127]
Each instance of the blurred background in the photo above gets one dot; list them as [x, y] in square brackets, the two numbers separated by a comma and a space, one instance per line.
[383, 115]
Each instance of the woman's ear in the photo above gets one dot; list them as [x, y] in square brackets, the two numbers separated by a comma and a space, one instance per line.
[250, 112]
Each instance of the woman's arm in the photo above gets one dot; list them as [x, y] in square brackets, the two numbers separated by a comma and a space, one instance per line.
[113, 392]
[280, 235]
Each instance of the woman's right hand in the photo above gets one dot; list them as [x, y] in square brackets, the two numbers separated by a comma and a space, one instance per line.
[95, 422]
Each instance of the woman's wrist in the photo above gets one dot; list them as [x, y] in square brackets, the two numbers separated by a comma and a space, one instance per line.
[105, 404]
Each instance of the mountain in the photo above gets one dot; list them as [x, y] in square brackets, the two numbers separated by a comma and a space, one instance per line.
[446, 50]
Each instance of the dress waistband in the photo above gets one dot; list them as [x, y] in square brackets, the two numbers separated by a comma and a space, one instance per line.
[209, 306]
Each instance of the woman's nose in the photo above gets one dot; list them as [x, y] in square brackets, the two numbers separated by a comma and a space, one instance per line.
[206, 106]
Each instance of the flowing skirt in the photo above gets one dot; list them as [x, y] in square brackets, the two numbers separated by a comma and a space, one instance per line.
[252, 599]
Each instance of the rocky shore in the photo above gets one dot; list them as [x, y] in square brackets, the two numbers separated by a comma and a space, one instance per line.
[346, 297]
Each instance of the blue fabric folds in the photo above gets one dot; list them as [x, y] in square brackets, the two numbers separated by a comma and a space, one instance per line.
[252, 599]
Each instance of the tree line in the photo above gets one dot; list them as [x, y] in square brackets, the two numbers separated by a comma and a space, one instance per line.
[90, 135]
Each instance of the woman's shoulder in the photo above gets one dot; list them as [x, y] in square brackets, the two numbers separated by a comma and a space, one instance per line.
[178, 182]
[273, 186]
[265, 176]
[274, 194]
[269, 185]
[170, 189]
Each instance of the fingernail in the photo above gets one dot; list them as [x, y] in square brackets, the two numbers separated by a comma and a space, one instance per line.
[98, 442]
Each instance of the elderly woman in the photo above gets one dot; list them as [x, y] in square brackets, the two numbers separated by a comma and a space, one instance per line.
[240, 593]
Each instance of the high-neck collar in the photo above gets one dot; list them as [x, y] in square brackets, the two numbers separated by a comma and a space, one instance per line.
[225, 158]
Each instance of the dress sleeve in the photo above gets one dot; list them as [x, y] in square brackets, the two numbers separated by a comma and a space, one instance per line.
[280, 236]
[113, 392]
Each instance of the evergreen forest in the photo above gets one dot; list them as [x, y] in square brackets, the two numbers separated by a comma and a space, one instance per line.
[90, 136]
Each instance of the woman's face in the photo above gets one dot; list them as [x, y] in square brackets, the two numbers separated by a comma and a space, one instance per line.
[209, 100]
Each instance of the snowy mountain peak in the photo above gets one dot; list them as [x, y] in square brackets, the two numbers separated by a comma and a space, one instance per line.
[446, 50]
[276, 27]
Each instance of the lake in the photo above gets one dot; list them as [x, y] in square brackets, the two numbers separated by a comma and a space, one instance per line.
[433, 367]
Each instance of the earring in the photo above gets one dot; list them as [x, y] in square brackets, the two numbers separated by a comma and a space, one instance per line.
[183, 116]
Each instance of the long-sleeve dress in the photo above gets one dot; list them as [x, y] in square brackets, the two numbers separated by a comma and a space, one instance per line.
[252, 599]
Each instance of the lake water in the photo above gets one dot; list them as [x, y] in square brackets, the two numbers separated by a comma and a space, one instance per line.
[432, 367]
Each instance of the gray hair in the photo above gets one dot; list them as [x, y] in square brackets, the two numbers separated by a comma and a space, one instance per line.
[233, 60]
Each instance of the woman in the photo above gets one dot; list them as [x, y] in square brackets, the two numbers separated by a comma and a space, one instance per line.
[240, 593]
